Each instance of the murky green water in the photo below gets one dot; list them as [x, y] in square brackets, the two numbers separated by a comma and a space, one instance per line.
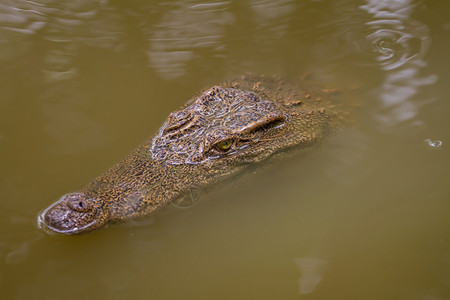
[364, 216]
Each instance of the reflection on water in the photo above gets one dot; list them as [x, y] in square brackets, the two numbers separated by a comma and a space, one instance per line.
[186, 27]
[312, 269]
[272, 16]
[175, 37]
[20, 252]
[62, 28]
[400, 44]
[57, 22]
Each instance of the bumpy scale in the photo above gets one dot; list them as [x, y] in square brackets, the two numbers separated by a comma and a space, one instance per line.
[215, 134]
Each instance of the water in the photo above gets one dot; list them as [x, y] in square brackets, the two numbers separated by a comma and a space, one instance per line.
[363, 216]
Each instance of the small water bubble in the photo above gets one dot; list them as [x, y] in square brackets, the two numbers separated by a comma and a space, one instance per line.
[434, 144]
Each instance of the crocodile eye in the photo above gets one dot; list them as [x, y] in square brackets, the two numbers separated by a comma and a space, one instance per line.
[224, 145]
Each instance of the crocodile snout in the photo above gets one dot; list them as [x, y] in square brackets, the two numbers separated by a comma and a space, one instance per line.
[72, 213]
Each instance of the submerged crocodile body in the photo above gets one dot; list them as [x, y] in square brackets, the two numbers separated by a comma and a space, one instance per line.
[217, 133]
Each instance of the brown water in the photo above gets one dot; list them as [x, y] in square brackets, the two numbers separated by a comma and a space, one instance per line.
[364, 216]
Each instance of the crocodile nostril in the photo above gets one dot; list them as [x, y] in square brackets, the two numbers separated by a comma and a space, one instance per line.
[81, 204]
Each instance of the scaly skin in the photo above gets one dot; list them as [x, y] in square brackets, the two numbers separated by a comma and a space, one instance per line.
[215, 134]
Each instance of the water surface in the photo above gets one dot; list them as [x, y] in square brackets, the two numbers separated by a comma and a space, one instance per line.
[363, 216]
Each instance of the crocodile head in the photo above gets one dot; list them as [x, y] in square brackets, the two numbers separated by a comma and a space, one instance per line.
[215, 134]
[221, 124]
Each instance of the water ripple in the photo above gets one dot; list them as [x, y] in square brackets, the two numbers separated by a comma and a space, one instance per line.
[434, 144]
[395, 47]
[399, 44]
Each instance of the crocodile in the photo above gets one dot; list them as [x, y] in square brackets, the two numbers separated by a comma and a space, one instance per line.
[219, 132]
